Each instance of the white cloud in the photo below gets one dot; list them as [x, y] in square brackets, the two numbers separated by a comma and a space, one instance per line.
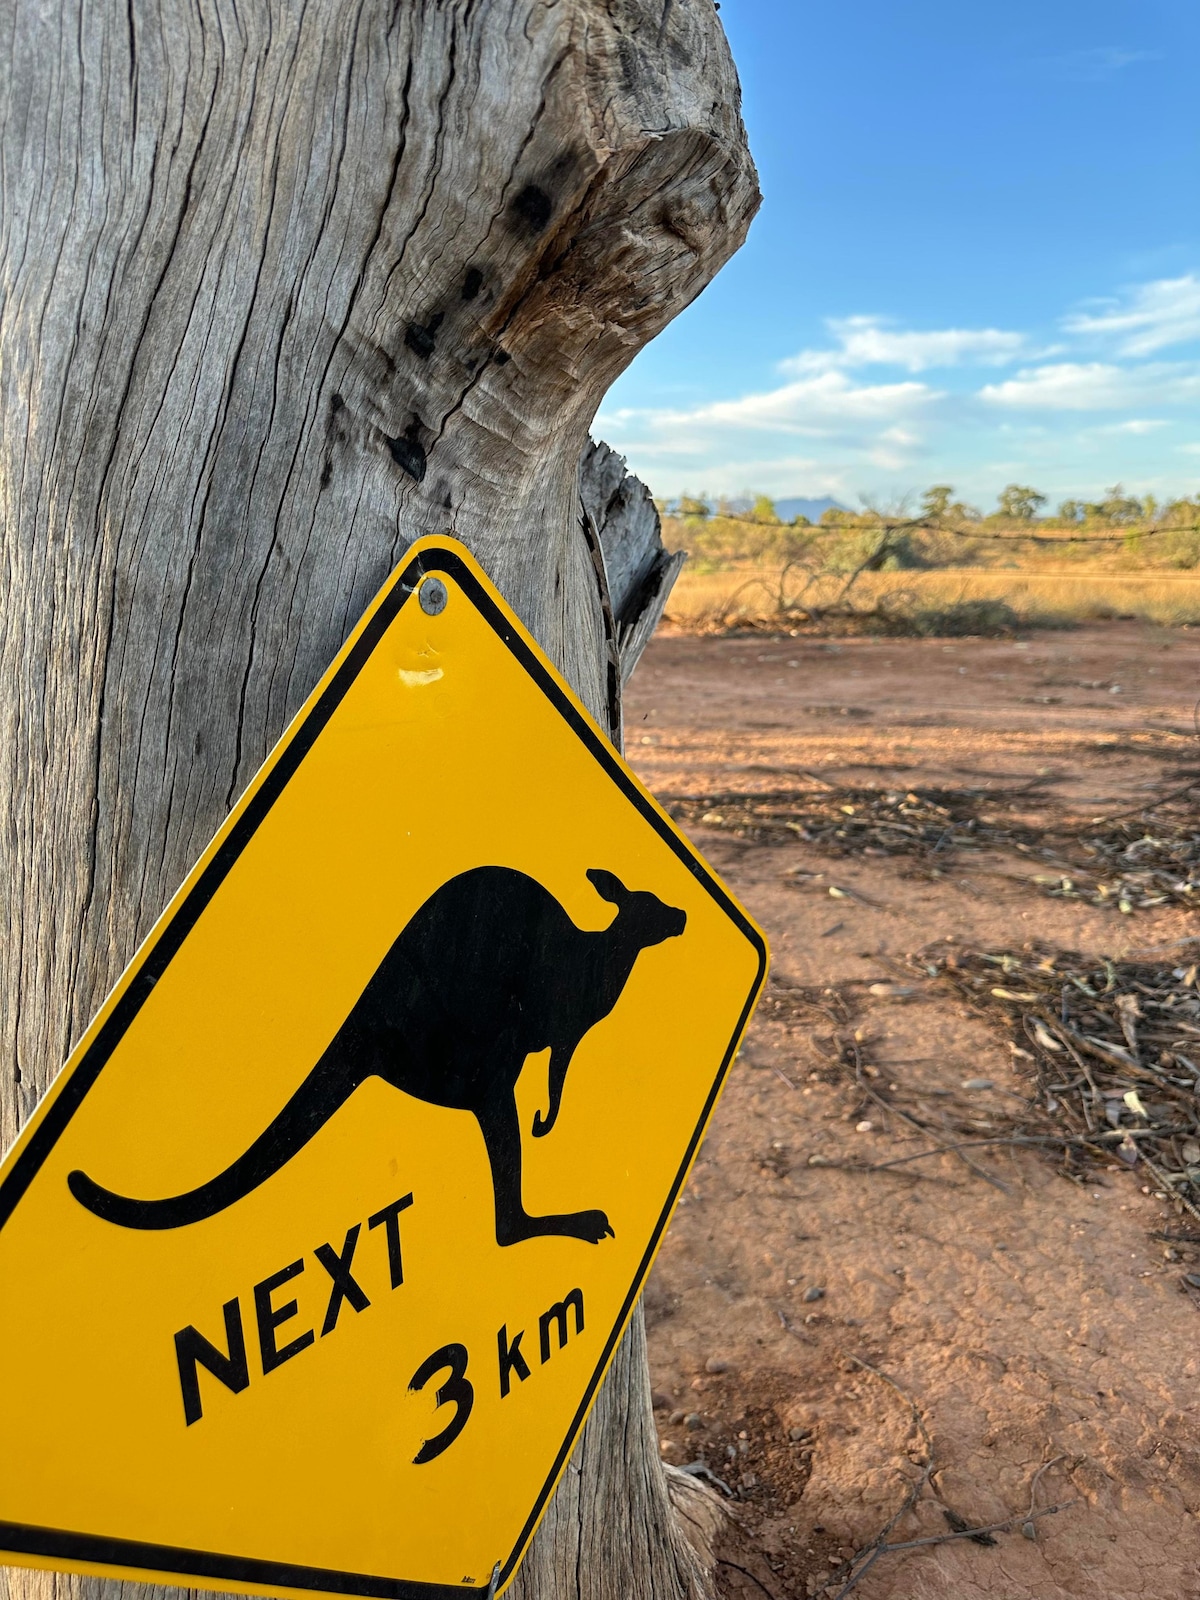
[1137, 426]
[900, 436]
[807, 407]
[777, 476]
[1153, 316]
[1095, 386]
[726, 445]
[868, 342]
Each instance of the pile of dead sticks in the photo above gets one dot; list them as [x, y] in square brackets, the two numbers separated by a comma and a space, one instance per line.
[1129, 862]
[1112, 1049]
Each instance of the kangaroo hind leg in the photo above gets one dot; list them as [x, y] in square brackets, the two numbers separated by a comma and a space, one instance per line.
[501, 1130]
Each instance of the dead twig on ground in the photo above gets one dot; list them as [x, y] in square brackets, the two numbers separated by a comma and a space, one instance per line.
[851, 1573]
[975, 1534]
[1161, 800]
[871, 1553]
[1017, 1139]
[701, 1469]
[1027, 1526]
[722, 1562]
[885, 1104]
[787, 1003]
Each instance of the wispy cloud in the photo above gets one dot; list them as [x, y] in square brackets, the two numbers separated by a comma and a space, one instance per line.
[1097, 64]
[869, 341]
[1151, 317]
[814, 407]
[1136, 427]
[726, 445]
[1095, 386]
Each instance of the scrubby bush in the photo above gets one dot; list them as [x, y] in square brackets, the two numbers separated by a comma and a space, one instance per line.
[904, 614]
[763, 511]
[989, 619]
[871, 549]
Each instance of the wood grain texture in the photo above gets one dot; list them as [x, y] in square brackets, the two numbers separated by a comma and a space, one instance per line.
[284, 287]
[640, 573]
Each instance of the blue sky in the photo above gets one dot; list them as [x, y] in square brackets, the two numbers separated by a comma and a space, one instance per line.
[977, 260]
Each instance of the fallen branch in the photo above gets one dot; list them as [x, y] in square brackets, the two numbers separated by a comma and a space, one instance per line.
[1115, 1135]
[880, 1547]
[971, 1533]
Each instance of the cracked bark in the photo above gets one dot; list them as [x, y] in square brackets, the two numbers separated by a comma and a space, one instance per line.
[283, 289]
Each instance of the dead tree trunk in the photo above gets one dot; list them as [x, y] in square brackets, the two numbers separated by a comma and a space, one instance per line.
[283, 288]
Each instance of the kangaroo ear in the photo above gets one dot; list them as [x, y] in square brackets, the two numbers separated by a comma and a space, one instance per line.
[608, 886]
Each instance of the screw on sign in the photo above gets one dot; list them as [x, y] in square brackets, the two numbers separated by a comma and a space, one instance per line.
[346, 1195]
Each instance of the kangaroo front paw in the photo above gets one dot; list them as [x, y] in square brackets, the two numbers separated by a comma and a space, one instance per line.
[592, 1226]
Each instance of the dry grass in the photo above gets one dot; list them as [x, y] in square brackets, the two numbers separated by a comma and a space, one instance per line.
[747, 591]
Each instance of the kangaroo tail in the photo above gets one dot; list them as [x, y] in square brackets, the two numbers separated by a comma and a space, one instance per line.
[321, 1094]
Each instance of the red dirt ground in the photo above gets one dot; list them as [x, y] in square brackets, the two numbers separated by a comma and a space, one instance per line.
[1036, 1323]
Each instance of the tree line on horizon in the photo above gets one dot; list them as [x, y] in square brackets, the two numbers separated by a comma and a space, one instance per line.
[1017, 503]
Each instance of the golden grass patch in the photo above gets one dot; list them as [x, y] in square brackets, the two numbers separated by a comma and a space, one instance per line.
[749, 591]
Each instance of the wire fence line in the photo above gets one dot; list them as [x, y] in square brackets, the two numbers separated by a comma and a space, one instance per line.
[1015, 537]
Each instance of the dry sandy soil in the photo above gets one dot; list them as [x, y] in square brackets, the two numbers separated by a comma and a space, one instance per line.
[1038, 1322]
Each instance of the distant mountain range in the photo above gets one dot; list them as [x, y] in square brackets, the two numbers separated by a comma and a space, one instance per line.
[812, 509]
[785, 510]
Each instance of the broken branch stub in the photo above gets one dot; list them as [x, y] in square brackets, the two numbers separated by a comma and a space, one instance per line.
[640, 572]
[284, 289]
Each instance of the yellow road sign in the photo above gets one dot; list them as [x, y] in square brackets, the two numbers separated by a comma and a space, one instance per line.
[314, 1256]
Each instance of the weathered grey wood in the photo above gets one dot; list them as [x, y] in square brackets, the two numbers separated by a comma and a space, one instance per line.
[640, 572]
[283, 287]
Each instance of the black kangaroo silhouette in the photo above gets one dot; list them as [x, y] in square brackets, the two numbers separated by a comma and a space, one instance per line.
[490, 970]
